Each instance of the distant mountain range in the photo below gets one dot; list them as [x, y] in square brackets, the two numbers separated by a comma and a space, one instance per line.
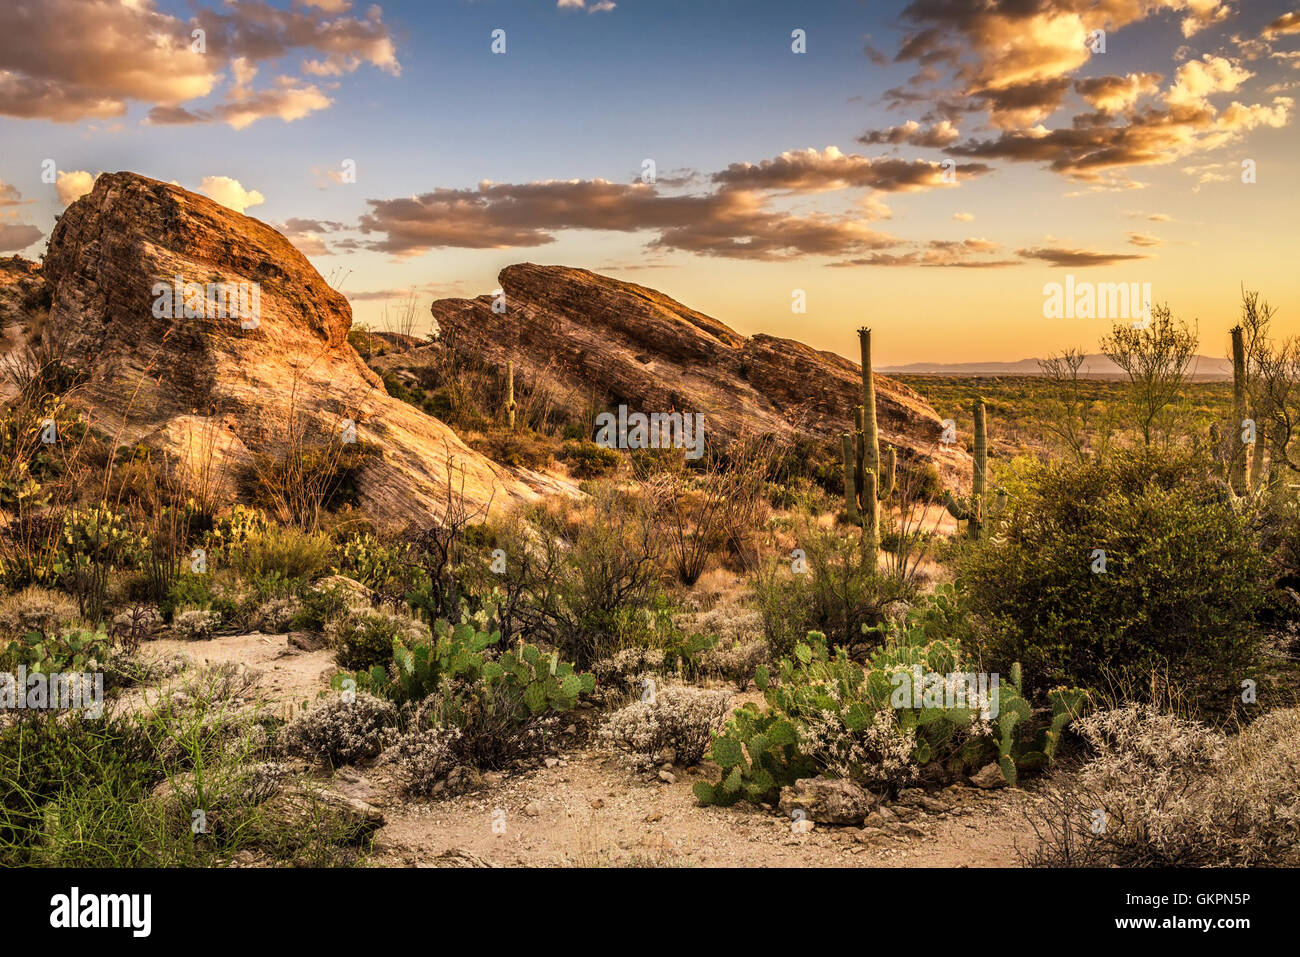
[1094, 367]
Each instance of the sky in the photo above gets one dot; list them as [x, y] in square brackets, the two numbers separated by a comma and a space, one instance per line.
[924, 168]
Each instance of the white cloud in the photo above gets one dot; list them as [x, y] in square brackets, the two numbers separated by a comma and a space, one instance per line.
[72, 186]
[230, 192]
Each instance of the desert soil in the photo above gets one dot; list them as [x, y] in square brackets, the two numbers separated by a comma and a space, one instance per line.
[588, 808]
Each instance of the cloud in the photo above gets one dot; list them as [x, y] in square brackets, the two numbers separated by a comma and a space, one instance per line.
[230, 192]
[1287, 23]
[1197, 80]
[913, 134]
[305, 234]
[603, 6]
[963, 217]
[1114, 94]
[15, 237]
[1144, 239]
[69, 60]
[72, 186]
[810, 171]
[10, 196]
[1078, 258]
[734, 223]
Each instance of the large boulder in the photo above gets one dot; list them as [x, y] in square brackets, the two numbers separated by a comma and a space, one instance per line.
[220, 391]
[586, 334]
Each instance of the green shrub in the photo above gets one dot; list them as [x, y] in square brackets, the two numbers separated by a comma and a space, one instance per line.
[363, 637]
[1184, 578]
[280, 552]
[588, 460]
[836, 594]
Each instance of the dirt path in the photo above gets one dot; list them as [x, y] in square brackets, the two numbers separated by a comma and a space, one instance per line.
[590, 809]
[593, 811]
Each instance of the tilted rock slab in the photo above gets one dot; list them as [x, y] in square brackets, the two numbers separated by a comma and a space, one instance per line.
[588, 333]
[216, 392]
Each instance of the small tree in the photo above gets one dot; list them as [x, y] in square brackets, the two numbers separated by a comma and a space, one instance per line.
[1155, 357]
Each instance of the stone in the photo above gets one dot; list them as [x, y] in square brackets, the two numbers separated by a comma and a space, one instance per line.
[989, 777]
[580, 333]
[218, 392]
[667, 777]
[827, 800]
[532, 809]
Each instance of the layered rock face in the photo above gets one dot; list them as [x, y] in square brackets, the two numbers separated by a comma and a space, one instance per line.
[590, 334]
[183, 368]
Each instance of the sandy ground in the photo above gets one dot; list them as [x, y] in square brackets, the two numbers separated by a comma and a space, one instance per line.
[590, 809]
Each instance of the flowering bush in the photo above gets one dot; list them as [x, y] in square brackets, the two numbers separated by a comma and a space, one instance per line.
[680, 721]
[195, 624]
[340, 732]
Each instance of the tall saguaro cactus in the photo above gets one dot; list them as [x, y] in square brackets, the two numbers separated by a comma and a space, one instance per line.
[866, 484]
[1237, 475]
[976, 510]
[510, 395]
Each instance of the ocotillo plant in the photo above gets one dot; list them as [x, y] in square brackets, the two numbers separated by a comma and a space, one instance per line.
[863, 477]
[510, 395]
[975, 510]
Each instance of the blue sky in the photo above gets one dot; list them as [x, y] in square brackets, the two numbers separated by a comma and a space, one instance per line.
[948, 270]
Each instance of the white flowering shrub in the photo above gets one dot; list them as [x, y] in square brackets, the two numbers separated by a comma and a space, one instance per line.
[735, 661]
[274, 616]
[626, 670]
[677, 721]
[1162, 790]
[426, 757]
[195, 624]
[339, 732]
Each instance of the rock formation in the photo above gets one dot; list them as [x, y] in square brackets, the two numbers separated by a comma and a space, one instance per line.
[218, 386]
[593, 335]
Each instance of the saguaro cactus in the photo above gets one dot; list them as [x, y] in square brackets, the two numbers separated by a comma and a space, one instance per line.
[1237, 475]
[976, 510]
[510, 395]
[864, 478]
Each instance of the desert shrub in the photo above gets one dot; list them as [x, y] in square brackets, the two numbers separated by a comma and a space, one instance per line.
[827, 714]
[135, 625]
[196, 624]
[426, 756]
[590, 573]
[283, 552]
[35, 609]
[1161, 790]
[504, 703]
[341, 731]
[516, 448]
[323, 602]
[1184, 577]
[735, 661]
[675, 722]
[277, 614]
[588, 460]
[837, 593]
[626, 670]
[363, 637]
